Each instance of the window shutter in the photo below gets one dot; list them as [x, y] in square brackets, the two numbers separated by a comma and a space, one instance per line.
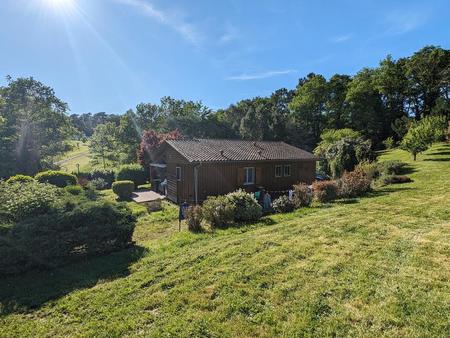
[258, 175]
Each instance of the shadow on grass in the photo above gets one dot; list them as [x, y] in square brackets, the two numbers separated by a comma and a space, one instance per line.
[407, 170]
[32, 290]
[440, 153]
[445, 159]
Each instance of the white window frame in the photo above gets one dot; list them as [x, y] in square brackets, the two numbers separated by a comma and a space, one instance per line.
[284, 170]
[279, 166]
[178, 173]
[246, 169]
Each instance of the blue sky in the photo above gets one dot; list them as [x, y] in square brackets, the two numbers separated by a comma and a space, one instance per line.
[109, 55]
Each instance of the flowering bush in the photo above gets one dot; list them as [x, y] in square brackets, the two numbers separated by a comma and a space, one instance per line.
[283, 204]
[194, 217]
[246, 206]
[325, 191]
[218, 211]
[354, 183]
[302, 196]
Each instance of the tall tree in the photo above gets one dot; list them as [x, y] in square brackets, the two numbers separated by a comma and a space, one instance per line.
[309, 106]
[103, 145]
[337, 111]
[129, 137]
[36, 124]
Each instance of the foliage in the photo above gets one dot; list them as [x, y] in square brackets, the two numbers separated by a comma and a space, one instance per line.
[421, 135]
[74, 189]
[396, 179]
[151, 140]
[103, 145]
[302, 196]
[354, 183]
[123, 189]
[246, 207]
[132, 172]
[390, 167]
[194, 217]
[325, 191]
[331, 136]
[26, 199]
[79, 229]
[283, 204]
[218, 211]
[389, 143]
[107, 175]
[20, 179]
[98, 184]
[57, 178]
[34, 126]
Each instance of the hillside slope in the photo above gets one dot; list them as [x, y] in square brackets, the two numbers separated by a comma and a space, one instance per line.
[379, 265]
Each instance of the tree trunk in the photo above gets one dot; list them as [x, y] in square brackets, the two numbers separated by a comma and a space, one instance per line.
[414, 156]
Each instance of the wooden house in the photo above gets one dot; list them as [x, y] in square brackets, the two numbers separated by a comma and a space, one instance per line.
[192, 170]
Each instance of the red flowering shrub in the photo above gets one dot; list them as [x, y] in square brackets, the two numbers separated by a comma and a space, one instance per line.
[354, 183]
[325, 191]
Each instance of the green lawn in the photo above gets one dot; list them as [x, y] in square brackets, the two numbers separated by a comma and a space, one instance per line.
[375, 266]
[78, 155]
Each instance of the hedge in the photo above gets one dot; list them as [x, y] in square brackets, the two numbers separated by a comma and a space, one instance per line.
[133, 172]
[123, 189]
[58, 178]
[20, 179]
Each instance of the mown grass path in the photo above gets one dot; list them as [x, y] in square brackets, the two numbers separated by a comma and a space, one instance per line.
[375, 266]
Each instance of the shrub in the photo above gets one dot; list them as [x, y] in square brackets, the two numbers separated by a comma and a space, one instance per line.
[283, 204]
[392, 167]
[123, 189]
[395, 179]
[74, 189]
[48, 240]
[389, 142]
[325, 191]
[20, 179]
[98, 184]
[370, 169]
[246, 207]
[354, 183]
[302, 196]
[218, 211]
[21, 200]
[132, 172]
[194, 217]
[107, 175]
[58, 178]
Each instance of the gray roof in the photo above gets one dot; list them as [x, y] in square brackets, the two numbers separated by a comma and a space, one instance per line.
[214, 150]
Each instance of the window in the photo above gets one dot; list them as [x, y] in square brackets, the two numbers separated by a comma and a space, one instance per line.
[249, 175]
[178, 173]
[287, 170]
[278, 171]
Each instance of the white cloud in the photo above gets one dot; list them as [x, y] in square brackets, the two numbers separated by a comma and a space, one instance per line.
[263, 75]
[401, 22]
[175, 22]
[341, 38]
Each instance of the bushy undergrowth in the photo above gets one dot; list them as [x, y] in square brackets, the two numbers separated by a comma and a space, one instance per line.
[246, 207]
[283, 204]
[28, 199]
[123, 189]
[218, 211]
[132, 172]
[20, 179]
[108, 176]
[57, 178]
[194, 218]
[302, 196]
[325, 191]
[354, 183]
[74, 189]
[396, 179]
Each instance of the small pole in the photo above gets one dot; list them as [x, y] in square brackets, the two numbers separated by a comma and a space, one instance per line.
[78, 168]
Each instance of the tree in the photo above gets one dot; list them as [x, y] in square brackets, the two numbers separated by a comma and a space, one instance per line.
[337, 112]
[428, 74]
[103, 145]
[35, 128]
[423, 134]
[128, 137]
[151, 140]
[309, 106]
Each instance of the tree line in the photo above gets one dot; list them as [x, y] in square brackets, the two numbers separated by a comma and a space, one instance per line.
[379, 103]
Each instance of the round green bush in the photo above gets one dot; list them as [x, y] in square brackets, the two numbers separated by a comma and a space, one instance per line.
[19, 201]
[283, 204]
[132, 172]
[123, 189]
[218, 211]
[74, 189]
[58, 178]
[246, 206]
[20, 179]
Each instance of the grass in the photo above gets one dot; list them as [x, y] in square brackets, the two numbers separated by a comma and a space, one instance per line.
[379, 266]
[78, 155]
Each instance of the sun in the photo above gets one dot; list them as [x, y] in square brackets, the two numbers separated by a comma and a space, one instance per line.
[59, 4]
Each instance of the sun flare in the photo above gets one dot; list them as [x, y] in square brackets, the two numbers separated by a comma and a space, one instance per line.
[59, 4]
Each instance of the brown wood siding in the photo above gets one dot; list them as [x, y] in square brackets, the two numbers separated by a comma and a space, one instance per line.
[221, 178]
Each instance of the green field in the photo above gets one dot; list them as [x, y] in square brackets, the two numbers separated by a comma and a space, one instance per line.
[78, 155]
[374, 266]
